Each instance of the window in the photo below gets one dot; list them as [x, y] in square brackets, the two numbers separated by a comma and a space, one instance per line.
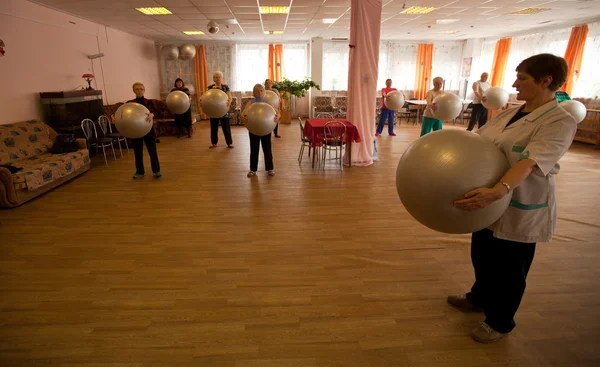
[295, 61]
[251, 66]
[447, 60]
[335, 66]
[588, 84]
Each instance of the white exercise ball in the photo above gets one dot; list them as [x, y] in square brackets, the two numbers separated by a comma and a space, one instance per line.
[187, 52]
[261, 119]
[495, 98]
[440, 168]
[575, 109]
[178, 102]
[190, 88]
[170, 52]
[130, 120]
[214, 103]
[448, 105]
[273, 98]
[394, 100]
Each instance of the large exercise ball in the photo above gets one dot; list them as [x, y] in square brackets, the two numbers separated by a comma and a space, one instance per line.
[394, 100]
[130, 120]
[273, 98]
[449, 106]
[178, 102]
[170, 52]
[495, 98]
[575, 109]
[187, 52]
[190, 88]
[214, 103]
[439, 168]
[261, 119]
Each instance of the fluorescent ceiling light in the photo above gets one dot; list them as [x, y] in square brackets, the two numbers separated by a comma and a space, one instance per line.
[193, 33]
[447, 32]
[418, 10]
[328, 20]
[274, 9]
[154, 11]
[530, 11]
[446, 21]
[273, 32]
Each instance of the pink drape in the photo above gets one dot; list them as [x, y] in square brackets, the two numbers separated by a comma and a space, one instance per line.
[365, 27]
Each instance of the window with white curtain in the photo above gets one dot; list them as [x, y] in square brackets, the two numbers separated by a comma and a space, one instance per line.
[447, 61]
[588, 84]
[295, 62]
[251, 66]
[397, 61]
[335, 66]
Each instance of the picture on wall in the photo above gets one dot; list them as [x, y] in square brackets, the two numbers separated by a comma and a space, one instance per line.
[466, 67]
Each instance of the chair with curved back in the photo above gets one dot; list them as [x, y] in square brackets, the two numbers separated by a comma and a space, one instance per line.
[91, 135]
[334, 139]
[105, 126]
[306, 142]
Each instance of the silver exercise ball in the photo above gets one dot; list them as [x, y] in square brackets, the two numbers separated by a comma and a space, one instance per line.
[440, 168]
[575, 109]
[130, 120]
[170, 52]
[448, 105]
[273, 98]
[261, 119]
[496, 98]
[394, 100]
[214, 103]
[187, 52]
[190, 88]
[178, 102]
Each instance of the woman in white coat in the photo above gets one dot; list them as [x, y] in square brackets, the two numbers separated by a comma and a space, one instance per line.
[533, 137]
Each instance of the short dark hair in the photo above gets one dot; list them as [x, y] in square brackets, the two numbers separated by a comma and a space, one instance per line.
[387, 80]
[539, 66]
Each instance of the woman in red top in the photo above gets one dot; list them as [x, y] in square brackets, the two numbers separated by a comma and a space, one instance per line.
[385, 113]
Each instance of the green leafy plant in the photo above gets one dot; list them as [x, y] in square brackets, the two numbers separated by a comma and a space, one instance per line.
[294, 88]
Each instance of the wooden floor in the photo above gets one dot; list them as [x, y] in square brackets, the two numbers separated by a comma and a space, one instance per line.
[206, 267]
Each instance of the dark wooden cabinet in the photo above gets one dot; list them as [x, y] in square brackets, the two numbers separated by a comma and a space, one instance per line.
[64, 111]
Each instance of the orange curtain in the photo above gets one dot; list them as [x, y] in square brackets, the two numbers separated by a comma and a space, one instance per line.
[424, 62]
[200, 76]
[500, 60]
[276, 62]
[574, 56]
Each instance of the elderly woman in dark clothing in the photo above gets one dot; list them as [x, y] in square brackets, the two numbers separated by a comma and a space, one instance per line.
[183, 121]
[150, 138]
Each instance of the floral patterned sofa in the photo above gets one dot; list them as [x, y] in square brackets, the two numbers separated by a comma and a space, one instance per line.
[25, 146]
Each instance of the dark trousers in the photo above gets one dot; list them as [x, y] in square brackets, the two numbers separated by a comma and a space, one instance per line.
[184, 123]
[214, 130]
[138, 149]
[501, 269]
[276, 128]
[389, 115]
[255, 143]
[478, 116]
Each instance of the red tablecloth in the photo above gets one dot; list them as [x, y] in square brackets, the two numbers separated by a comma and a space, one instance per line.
[315, 130]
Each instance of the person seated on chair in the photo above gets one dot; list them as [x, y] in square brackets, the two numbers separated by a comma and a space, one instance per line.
[183, 121]
[255, 140]
[149, 139]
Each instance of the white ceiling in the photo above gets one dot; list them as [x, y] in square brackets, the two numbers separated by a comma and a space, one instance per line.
[477, 18]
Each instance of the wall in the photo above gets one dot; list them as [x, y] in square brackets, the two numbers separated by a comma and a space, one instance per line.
[46, 52]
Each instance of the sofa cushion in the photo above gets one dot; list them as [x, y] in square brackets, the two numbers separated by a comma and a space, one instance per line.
[45, 168]
[23, 140]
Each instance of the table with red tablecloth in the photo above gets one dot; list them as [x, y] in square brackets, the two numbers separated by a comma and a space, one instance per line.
[315, 130]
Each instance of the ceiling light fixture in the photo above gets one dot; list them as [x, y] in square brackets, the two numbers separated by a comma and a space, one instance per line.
[447, 32]
[274, 9]
[193, 33]
[273, 32]
[418, 10]
[154, 11]
[446, 21]
[529, 11]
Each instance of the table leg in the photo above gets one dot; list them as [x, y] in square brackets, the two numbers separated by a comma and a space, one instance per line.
[314, 155]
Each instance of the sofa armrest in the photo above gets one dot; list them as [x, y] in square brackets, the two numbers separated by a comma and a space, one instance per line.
[82, 143]
[8, 196]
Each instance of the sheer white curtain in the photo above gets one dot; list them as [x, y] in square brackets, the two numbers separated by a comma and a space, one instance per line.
[397, 61]
[335, 66]
[295, 62]
[588, 85]
[251, 65]
[447, 61]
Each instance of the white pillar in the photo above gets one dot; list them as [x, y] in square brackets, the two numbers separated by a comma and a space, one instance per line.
[316, 68]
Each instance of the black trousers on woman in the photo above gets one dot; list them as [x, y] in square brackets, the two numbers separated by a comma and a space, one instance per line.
[501, 269]
[184, 123]
[138, 149]
[255, 143]
[214, 130]
[479, 115]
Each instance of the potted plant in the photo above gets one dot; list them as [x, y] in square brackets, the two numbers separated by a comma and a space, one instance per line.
[290, 90]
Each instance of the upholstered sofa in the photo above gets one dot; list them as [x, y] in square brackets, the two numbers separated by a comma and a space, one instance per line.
[25, 146]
